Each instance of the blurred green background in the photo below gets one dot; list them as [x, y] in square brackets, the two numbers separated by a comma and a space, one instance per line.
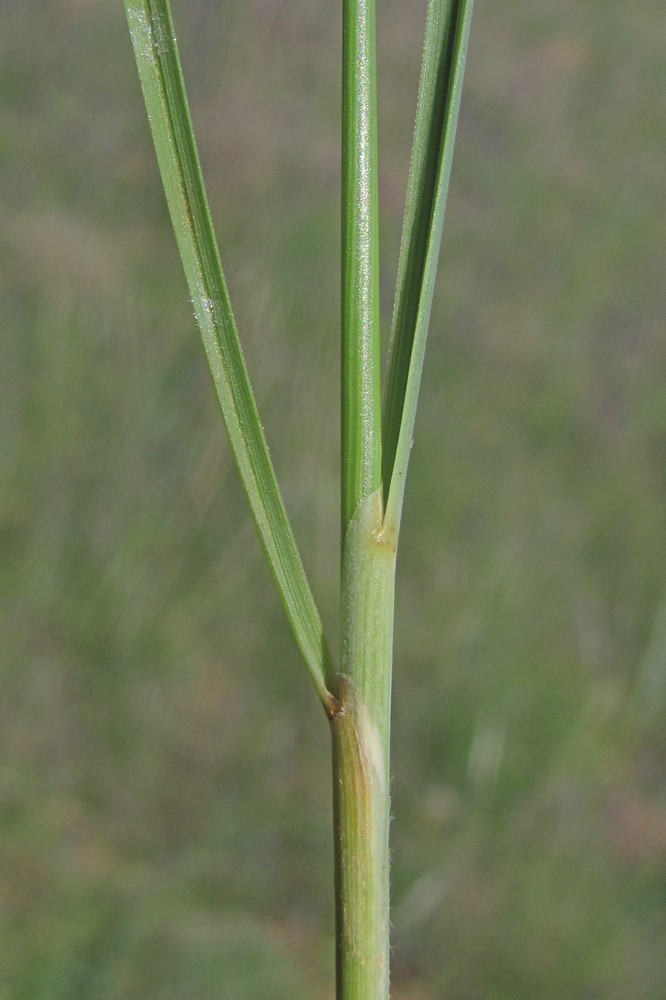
[164, 771]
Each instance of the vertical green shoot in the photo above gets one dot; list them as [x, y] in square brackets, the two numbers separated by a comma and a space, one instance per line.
[358, 697]
[360, 731]
[361, 434]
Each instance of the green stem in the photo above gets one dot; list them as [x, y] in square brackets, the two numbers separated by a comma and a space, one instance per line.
[358, 698]
[361, 398]
[360, 722]
[360, 737]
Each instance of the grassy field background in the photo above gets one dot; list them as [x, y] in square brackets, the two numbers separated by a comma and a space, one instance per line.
[164, 773]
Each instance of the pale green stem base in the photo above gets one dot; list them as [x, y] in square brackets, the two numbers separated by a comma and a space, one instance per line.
[360, 737]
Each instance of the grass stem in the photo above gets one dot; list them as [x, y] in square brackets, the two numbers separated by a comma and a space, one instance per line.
[360, 730]
[361, 396]
[357, 699]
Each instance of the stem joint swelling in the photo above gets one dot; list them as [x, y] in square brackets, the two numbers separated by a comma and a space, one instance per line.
[332, 706]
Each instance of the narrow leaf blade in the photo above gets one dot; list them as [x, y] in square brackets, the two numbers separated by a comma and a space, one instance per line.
[160, 72]
[445, 49]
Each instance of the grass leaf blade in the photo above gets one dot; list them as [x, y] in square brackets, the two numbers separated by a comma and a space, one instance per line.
[442, 69]
[159, 68]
